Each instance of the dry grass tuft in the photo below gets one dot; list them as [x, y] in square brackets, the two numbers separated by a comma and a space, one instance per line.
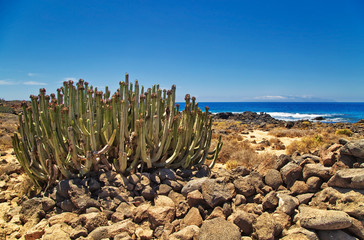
[291, 133]
[346, 132]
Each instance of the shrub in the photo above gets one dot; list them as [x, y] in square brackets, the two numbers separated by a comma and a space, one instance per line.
[345, 131]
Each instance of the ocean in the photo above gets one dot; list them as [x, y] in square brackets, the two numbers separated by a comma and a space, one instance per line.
[293, 111]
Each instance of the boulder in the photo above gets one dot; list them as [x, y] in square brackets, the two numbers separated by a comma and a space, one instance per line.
[94, 220]
[317, 170]
[318, 219]
[58, 231]
[218, 228]
[244, 186]
[334, 235]
[192, 185]
[187, 233]
[243, 220]
[270, 201]
[348, 178]
[299, 187]
[266, 228]
[287, 203]
[300, 233]
[354, 148]
[162, 212]
[290, 173]
[216, 193]
[193, 217]
[273, 178]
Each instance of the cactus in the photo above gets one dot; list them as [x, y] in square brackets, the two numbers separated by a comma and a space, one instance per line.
[82, 129]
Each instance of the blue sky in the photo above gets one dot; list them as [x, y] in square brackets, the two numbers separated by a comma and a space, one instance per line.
[214, 50]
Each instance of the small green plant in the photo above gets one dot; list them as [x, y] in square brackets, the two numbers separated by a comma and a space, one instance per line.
[81, 129]
[345, 131]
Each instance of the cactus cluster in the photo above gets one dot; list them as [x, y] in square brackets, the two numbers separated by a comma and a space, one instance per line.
[81, 129]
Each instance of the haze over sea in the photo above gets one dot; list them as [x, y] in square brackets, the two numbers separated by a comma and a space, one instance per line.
[294, 111]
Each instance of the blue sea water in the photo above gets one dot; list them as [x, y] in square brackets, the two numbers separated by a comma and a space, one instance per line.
[293, 111]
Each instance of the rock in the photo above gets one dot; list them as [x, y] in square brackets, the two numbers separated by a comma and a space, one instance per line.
[163, 212]
[282, 161]
[144, 233]
[65, 217]
[300, 233]
[32, 210]
[166, 173]
[164, 189]
[304, 198]
[318, 170]
[283, 220]
[37, 231]
[357, 229]
[187, 233]
[323, 219]
[193, 185]
[287, 203]
[299, 187]
[78, 232]
[334, 235]
[243, 220]
[216, 193]
[239, 199]
[218, 228]
[141, 212]
[193, 217]
[273, 178]
[266, 227]
[113, 230]
[194, 198]
[59, 231]
[48, 203]
[94, 220]
[350, 202]
[354, 148]
[313, 184]
[290, 173]
[244, 186]
[126, 209]
[218, 212]
[348, 178]
[270, 201]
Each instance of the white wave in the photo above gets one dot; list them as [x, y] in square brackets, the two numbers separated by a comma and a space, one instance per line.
[297, 116]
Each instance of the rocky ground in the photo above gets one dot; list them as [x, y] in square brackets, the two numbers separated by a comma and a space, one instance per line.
[316, 195]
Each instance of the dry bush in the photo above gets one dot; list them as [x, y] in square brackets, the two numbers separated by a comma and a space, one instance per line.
[292, 133]
[230, 147]
[306, 144]
[346, 132]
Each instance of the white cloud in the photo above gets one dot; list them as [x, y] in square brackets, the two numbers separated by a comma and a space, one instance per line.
[6, 82]
[34, 83]
[32, 74]
[271, 97]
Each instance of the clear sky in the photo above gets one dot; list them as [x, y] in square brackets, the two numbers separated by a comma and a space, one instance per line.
[215, 50]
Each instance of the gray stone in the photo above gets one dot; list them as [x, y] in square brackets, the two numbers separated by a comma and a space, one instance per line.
[290, 173]
[243, 220]
[323, 219]
[193, 185]
[287, 203]
[273, 178]
[334, 235]
[216, 193]
[218, 228]
[354, 148]
[348, 178]
[317, 170]
[270, 201]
